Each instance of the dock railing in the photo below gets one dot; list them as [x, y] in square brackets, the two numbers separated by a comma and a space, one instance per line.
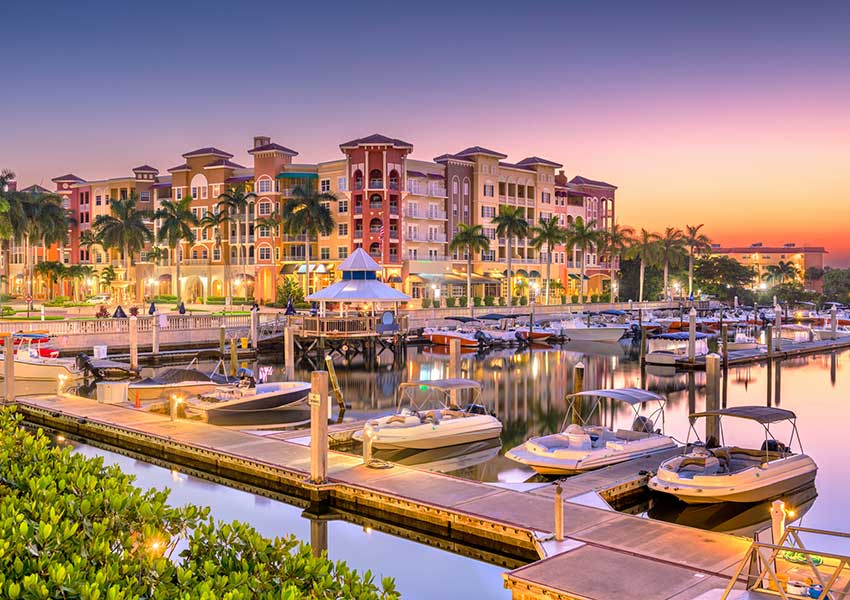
[109, 326]
[776, 568]
[342, 326]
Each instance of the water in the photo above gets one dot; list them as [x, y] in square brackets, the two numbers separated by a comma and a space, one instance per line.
[420, 571]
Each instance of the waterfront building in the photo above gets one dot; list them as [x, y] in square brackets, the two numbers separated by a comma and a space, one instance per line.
[401, 210]
[761, 257]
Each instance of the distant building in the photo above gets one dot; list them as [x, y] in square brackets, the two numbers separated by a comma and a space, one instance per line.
[35, 190]
[12, 186]
[760, 257]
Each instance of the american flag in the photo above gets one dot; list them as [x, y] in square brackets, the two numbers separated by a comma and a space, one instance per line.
[381, 234]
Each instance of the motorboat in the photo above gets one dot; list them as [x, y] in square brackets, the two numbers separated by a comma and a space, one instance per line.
[743, 339]
[444, 460]
[430, 414]
[581, 446]
[535, 334]
[669, 348]
[822, 334]
[188, 381]
[578, 330]
[443, 336]
[707, 473]
[796, 333]
[224, 402]
[32, 363]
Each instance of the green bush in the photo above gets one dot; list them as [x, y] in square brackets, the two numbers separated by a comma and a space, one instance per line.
[476, 301]
[73, 527]
[234, 300]
[6, 311]
[450, 302]
[290, 288]
[426, 303]
[462, 301]
[57, 301]
[594, 297]
[489, 301]
[515, 301]
[435, 303]
[563, 299]
[6, 297]
[523, 300]
[164, 298]
[501, 300]
[574, 299]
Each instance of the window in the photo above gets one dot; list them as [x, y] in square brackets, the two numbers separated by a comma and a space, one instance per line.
[502, 188]
[265, 253]
[203, 192]
[325, 185]
[264, 186]
[195, 192]
[179, 193]
[342, 184]
[489, 190]
[488, 212]
[546, 198]
[216, 254]
[97, 200]
[342, 229]
[342, 205]
[265, 208]
[263, 231]
[342, 252]
[325, 253]
[466, 188]
[454, 186]
[145, 197]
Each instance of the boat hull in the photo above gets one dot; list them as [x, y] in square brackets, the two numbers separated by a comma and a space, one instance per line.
[48, 369]
[428, 436]
[594, 334]
[445, 339]
[550, 465]
[155, 392]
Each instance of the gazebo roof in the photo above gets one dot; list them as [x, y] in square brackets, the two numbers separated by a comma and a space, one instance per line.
[358, 290]
[359, 260]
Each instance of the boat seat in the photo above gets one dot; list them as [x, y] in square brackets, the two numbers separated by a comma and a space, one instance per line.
[550, 443]
[453, 414]
[698, 465]
[432, 416]
[629, 435]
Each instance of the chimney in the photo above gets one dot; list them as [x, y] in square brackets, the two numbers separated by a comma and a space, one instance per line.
[261, 140]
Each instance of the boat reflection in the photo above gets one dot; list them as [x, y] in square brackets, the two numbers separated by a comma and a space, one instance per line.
[448, 459]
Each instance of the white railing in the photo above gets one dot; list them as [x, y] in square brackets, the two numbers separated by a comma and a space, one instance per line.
[108, 326]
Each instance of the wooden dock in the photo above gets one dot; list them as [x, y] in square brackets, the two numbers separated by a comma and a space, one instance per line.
[787, 350]
[606, 554]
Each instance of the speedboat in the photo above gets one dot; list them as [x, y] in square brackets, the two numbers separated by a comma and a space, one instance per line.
[743, 339]
[578, 330]
[188, 381]
[674, 347]
[581, 446]
[224, 402]
[434, 418]
[443, 336]
[706, 473]
[822, 334]
[34, 362]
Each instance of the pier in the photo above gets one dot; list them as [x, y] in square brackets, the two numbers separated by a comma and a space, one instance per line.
[787, 349]
[497, 523]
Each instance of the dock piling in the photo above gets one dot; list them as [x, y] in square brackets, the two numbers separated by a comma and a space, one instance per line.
[833, 322]
[255, 329]
[454, 366]
[134, 342]
[156, 330]
[289, 352]
[712, 395]
[9, 366]
[222, 339]
[777, 317]
[692, 335]
[318, 426]
[724, 344]
[768, 333]
[578, 377]
[777, 521]
[368, 434]
[559, 513]
[234, 362]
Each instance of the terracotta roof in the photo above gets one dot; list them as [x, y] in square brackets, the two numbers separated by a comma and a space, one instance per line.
[376, 139]
[35, 189]
[67, 178]
[473, 150]
[444, 157]
[536, 160]
[161, 185]
[239, 179]
[769, 250]
[183, 167]
[579, 180]
[223, 163]
[272, 147]
[515, 166]
[208, 151]
[145, 169]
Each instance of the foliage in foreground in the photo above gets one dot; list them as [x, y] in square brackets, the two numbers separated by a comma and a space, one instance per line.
[71, 527]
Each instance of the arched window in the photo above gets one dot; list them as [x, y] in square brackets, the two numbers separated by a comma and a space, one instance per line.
[376, 178]
[264, 185]
[358, 179]
[198, 188]
[376, 202]
[375, 225]
[375, 250]
[393, 180]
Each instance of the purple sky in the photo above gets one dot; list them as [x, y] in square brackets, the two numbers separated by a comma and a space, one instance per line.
[735, 115]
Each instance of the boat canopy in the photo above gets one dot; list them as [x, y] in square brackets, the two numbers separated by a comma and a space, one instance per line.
[628, 395]
[761, 414]
[494, 317]
[444, 385]
[461, 319]
[612, 311]
[681, 335]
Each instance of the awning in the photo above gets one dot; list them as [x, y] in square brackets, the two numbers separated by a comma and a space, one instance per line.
[628, 395]
[517, 272]
[534, 273]
[416, 174]
[577, 276]
[314, 268]
[296, 175]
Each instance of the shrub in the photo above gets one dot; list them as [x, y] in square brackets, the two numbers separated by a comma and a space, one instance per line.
[501, 300]
[74, 527]
[435, 303]
[234, 299]
[476, 301]
[450, 302]
[134, 311]
[523, 300]
[563, 299]
[489, 301]
[7, 311]
[289, 288]
[574, 299]
[6, 297]
[164, 298]
[102, 313]
[426, 303]
[57, 301]
[462, 301]
[594, 297]
[515, 301]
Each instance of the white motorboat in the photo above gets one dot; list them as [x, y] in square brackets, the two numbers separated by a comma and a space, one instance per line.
[581, 446]
[828, 334]
[578, 330]
[443, 336]
[708, 474]
[33, 363]
[433, 419]
[188, 381]
[225, 402]
[667, 349]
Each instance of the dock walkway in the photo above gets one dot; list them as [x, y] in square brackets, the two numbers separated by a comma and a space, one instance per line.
[606, 554]
[787, 350]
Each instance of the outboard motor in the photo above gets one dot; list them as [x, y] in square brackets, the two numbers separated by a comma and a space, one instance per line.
[246, 378]
[643, 424]
[83, 363]
[484, 339]
[519, 338]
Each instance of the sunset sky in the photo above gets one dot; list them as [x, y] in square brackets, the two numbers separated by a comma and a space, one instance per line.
[736, 115]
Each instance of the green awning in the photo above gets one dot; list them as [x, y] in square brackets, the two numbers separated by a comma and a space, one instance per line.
[294, 175]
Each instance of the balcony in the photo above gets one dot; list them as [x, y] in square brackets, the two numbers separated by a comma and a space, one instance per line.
[358, 210]
[376, 184]
[394, 185]
[393, 210]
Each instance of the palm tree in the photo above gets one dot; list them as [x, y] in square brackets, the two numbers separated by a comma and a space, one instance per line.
[645, 248]
[157, 253]
[273, 222]
[13, 222]
[107, 276]
[510, 223]
[584, 236]
[781, 272]
[615, 242]
[235, 202]
[87, 240]
[671, 246]
[46, 222]
[696, 243]
[548, 233]
[125, 229]
[307, 213]
[216, 221]
[176, 222]
[470, 239]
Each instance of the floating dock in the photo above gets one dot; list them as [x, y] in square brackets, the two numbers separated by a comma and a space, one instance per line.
[606, 554]
[787, 349]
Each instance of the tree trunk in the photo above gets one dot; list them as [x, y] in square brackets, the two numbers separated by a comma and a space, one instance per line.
[613, 273]
[510, 272]
[245, 262]
[666, 273]
[640, 286]
[177, 262]
[306, 264]
[548, 275]
[690, 274]
[7, 266]
[581, 281]
[469, 280]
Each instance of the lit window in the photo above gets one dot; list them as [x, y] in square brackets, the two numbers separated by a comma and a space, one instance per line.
[264, 186]
[265, 253]
[342, 251]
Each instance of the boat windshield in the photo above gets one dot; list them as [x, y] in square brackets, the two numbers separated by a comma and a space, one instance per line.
[438, 393]
[581, 414]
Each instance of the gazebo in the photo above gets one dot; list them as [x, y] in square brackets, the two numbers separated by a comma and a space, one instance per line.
[359, 284]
